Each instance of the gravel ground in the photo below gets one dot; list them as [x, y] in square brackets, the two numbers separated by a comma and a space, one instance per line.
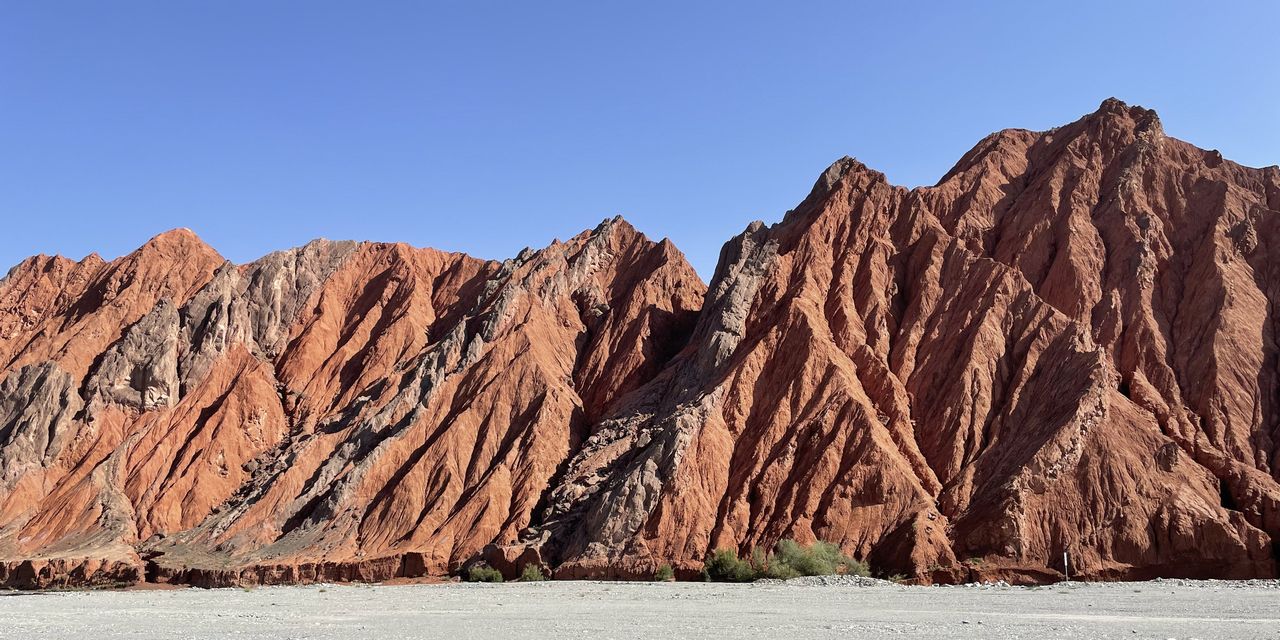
[804, 608]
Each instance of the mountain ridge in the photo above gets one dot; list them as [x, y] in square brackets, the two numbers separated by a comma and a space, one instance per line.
[954, 382]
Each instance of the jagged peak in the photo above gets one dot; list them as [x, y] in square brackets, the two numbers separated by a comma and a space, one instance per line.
[1114, 112]
[46, 262]
[314, 245]
[840, 169]
[179, 241]
[610, 230]
[1113, 122]
[617, 225]
[843, 169]
[1116, 106]
[175, 236]
[612, 236]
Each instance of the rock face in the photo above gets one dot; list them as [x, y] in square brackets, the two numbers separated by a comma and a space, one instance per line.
[338, 411]
[1065, 346]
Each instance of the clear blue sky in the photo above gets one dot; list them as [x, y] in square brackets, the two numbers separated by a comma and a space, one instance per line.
[485, 127]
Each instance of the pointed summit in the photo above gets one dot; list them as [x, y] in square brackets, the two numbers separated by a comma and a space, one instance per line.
[839, 170]
[1116, 106]
[617, 227]
[179, 242]
[845, 166]
[1117, 113]
[179, 235]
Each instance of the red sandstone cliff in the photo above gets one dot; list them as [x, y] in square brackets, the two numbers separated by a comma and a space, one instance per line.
[1067, 344]
[338, 411]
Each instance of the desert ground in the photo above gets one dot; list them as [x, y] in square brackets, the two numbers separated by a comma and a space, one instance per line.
[808, 608]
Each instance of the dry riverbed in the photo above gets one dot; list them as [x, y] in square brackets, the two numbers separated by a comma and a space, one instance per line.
[808, 608]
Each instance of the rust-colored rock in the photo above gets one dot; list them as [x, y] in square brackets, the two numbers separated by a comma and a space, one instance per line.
[1066, 345]
[340, 411]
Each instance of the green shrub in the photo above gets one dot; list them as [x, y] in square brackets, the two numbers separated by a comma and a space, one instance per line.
[857, 568]
[664, 574]
[532, 573]
[819, 559]
[790, 559]
[813, 561]
[725, 566]
[483, 573]
[780, 570]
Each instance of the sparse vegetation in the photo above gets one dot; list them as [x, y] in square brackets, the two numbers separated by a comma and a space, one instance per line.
[819, 559]
[483, 573]
[789, 559]
[664, 574]
[532, 573]
[725, 566]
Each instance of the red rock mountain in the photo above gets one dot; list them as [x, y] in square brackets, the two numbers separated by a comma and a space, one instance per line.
[1066, 345]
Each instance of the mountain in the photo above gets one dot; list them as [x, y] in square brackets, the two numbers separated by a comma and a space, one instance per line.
[1066, 346]
[334, 411]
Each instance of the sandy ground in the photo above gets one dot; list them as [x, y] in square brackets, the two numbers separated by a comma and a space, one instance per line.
[1162, 609]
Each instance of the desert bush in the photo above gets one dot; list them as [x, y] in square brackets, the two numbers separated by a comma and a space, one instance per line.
[857, 568]
[779, 570]
[532, 573]
[818, 559]
[789, 559]
[725, 566]
[811, 561]
[483, 573]
[664, 574]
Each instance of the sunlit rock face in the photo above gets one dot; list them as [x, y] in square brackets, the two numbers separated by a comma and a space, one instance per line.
[337, 411]
[1065, 346]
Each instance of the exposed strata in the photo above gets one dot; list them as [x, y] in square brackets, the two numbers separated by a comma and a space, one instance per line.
[338, 411]
[1066, 345]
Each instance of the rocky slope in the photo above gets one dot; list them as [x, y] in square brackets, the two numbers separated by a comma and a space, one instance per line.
[1066, 345]
[338, 411]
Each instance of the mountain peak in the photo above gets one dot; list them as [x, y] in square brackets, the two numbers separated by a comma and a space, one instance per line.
[1116, 105]
[175, 236]
[843, 168]
[1139, 118]
[179, 241]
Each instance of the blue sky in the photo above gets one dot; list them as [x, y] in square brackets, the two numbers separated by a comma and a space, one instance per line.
[485, 127]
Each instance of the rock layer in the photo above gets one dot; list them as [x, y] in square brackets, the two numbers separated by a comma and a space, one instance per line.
[1065, 346]
[338, 411]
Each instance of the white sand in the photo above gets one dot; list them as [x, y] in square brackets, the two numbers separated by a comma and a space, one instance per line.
[1162, 609]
